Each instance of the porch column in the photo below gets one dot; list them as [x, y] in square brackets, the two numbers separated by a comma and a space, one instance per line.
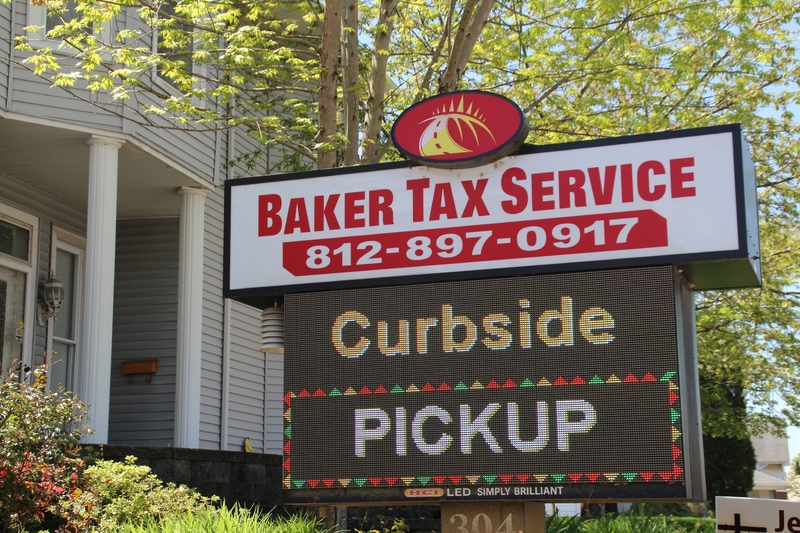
[190, 318]
[101, 231]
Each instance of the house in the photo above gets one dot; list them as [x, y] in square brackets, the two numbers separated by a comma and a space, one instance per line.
[129, 219]
[769, 478]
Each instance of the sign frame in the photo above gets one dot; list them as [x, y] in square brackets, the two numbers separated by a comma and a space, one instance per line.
[738, 267]
[693, 488]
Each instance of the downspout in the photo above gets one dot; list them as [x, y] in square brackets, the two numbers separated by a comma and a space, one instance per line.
[272, 346]
[231, 146]
[11, 56]
[226, 374]
[217, 172]
[217, 158]
[226, 323]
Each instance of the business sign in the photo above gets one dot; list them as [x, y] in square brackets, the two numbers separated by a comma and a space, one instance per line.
[685, 198]
[554, 387]
[757, 515]
[460, 129]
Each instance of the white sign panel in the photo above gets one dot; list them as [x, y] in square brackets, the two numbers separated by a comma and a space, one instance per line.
[757, 515]
[640, 200]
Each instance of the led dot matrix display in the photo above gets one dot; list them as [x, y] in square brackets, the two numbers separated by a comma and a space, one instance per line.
[561, 386]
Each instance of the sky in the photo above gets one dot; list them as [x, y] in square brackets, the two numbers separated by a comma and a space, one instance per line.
[794, 441]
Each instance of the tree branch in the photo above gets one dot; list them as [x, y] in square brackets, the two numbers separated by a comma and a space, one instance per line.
[377, 82]
[331, 34]
[350, 79]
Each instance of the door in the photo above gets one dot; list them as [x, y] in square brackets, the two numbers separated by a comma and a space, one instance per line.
[12, 315]
[16, 287]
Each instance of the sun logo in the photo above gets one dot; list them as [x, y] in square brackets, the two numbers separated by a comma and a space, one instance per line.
[436, 139]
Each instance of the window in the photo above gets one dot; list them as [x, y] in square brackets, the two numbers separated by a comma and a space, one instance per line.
[43, 21]
[12, 315]
[55, 18]
[172, 47]
[63, 333]
[14, 240]
[18, 242]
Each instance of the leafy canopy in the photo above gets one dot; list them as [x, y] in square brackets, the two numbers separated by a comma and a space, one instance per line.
[579, 69]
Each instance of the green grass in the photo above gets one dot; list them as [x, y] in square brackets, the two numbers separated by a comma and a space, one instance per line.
[241, 520]
[224, 520]
[631, 524]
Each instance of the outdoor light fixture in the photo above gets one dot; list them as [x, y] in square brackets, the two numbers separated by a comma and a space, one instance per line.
[50, 302]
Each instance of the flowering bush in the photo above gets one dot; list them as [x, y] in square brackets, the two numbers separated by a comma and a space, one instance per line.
[39, 454]
[112, 494]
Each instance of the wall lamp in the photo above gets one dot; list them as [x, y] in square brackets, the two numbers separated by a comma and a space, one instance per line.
[51, 300]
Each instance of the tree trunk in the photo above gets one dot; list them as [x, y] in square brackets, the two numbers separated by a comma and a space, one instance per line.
[479, 20]
[331, 35]
[350, 79]
[424, 86]
[592, 510]
[377, 82]
[469, 29]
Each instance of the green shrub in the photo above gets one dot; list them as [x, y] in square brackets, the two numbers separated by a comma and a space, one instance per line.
[563, 524]
[398, 526]
[115, 493]
[223, 520]
[631, 524]
[695, 524]
[730, 464]
[39, 454]
[636, 522]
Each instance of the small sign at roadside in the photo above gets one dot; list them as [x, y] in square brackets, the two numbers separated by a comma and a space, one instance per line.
[757, 515]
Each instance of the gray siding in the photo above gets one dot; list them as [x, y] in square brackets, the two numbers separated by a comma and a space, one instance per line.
[21, 9]
[252, 411]
[257, 159]
[145, 327]
[50, 210]
[35, 97]
[194, 151]
[213, 309]
[255, 409]
[247, 372]
[146, 277]
[6, 49]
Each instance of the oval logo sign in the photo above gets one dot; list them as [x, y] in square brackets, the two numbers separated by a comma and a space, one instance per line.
[424, 493]
[460, 129]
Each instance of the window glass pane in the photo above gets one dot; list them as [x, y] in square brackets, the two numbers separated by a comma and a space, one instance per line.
[178, 47]
[65, 272]
[61, 370]
[14, 240]
[12, 314]
[56, 18]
